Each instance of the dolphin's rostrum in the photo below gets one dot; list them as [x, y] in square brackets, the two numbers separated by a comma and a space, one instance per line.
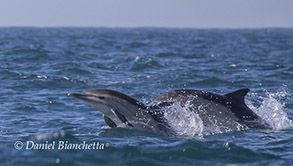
[228, 112]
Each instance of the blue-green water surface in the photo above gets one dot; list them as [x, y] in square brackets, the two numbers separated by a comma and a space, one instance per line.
[39, 66]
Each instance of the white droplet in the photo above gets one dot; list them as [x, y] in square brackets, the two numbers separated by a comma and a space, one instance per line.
[233, 65]
[137, 58]
[66, 78]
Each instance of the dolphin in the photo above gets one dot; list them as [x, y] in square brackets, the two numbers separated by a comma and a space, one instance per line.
[228, 112]
[120, 110]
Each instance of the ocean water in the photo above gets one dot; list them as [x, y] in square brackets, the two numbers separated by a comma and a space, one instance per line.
[39, 66]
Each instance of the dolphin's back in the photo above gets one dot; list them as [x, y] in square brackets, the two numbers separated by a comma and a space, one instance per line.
[229, 109]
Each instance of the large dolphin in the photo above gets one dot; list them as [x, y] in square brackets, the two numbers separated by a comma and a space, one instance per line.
[228, 112]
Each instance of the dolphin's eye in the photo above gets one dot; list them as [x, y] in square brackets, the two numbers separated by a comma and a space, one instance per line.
[101, 97]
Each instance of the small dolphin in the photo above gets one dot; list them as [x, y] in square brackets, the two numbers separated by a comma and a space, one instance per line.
[228, 112]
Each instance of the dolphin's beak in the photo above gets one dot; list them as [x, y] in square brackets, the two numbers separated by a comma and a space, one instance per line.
[78, 95]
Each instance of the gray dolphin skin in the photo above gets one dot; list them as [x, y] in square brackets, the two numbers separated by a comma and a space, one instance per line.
[228, 112]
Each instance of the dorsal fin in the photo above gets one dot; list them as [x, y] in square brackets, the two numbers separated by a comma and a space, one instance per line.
[238, 95]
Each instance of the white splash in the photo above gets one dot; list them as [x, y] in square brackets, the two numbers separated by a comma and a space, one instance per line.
[66, 78]
[187, 122]
[271, 108]
[41, 77]
[184, 121]
[137, 59]
[41, 137]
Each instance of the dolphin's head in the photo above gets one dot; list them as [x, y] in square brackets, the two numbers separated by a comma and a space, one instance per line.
[104, 99]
